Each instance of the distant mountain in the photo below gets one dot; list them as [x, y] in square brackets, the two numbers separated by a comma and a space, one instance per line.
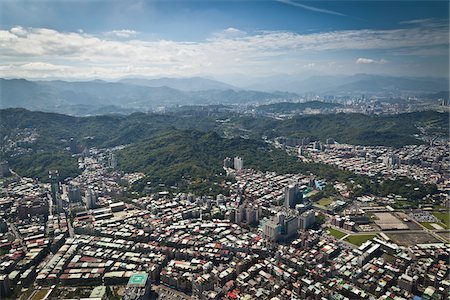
[182, 84]
[384, 85]
[128, 95]
[96, 96]
[355, 84]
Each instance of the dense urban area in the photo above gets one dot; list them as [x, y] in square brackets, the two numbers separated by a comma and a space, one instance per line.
[224, 150]
[213, 202]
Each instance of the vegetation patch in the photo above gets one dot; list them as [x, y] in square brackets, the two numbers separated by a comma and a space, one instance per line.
[444, 217]
[336, 233]
[359, 239]
[429, 225]
[325, 202]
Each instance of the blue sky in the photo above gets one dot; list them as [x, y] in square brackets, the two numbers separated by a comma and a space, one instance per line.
[113, 39]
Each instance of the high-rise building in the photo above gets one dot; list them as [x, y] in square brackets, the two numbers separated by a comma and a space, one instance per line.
[290, 196]
[74, 193]
[406, 282]
[271, 230]
[317, 146]
[238, 163]
[306, 219]
[53, 177]
[282, 226]
[240, 215]
[112, 160]
[227, 163]
[392, 161]
[290, 226]
[251, 214]
[91, 198]
[73, 145]
[59, 204]
[301, 151]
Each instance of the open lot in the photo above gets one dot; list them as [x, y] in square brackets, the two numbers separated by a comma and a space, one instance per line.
[325, 202]
[336, 233]
[359, 239]
[40, 294]
[433, 226]
[410, 239]
[387, 221]
[444, 217]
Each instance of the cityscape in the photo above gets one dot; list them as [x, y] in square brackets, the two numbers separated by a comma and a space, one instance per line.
[210, 150]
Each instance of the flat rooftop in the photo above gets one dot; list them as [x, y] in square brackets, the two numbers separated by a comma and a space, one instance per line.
[137, 280]
[387, 221]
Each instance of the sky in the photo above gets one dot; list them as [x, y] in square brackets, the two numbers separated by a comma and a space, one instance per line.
[81, 40]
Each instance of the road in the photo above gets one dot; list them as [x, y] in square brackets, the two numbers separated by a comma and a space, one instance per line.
[17, 234]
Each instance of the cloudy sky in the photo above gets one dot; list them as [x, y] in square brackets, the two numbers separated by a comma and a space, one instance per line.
[222, 39]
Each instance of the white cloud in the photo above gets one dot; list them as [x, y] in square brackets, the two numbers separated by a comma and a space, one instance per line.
[25, 51]
[230, 32]
[363, 60]
[124, 33]
[19, 31]
[41, 66]
[309, 66]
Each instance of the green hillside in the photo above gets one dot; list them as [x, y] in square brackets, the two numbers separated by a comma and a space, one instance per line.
[192, 160]
[357, 129]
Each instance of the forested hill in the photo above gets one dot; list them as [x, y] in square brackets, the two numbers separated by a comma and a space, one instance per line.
[357, 129]
[192, 160]
[187, 150]
[112, 130]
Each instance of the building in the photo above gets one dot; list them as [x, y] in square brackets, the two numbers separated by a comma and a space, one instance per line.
[59, 204]
[201, 284]
[251, 215]
[29, 207]
[99, 292]
[392, 161]
[290, 226]
[74, 193]
[280, 227]
[306, 219]
[301, 151]
[91, 199]
[53, 177]
[317, 146]
[227, 163]
[406, 282]
[290, 196]
[112, 160]
[138, 287]
[240, 214]
[271, 230]
[238, 163]
[5, 285]
[73, 146]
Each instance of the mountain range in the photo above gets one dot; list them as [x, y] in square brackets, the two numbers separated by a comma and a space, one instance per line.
[140, 94]
[358, 84]
[135, 95]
